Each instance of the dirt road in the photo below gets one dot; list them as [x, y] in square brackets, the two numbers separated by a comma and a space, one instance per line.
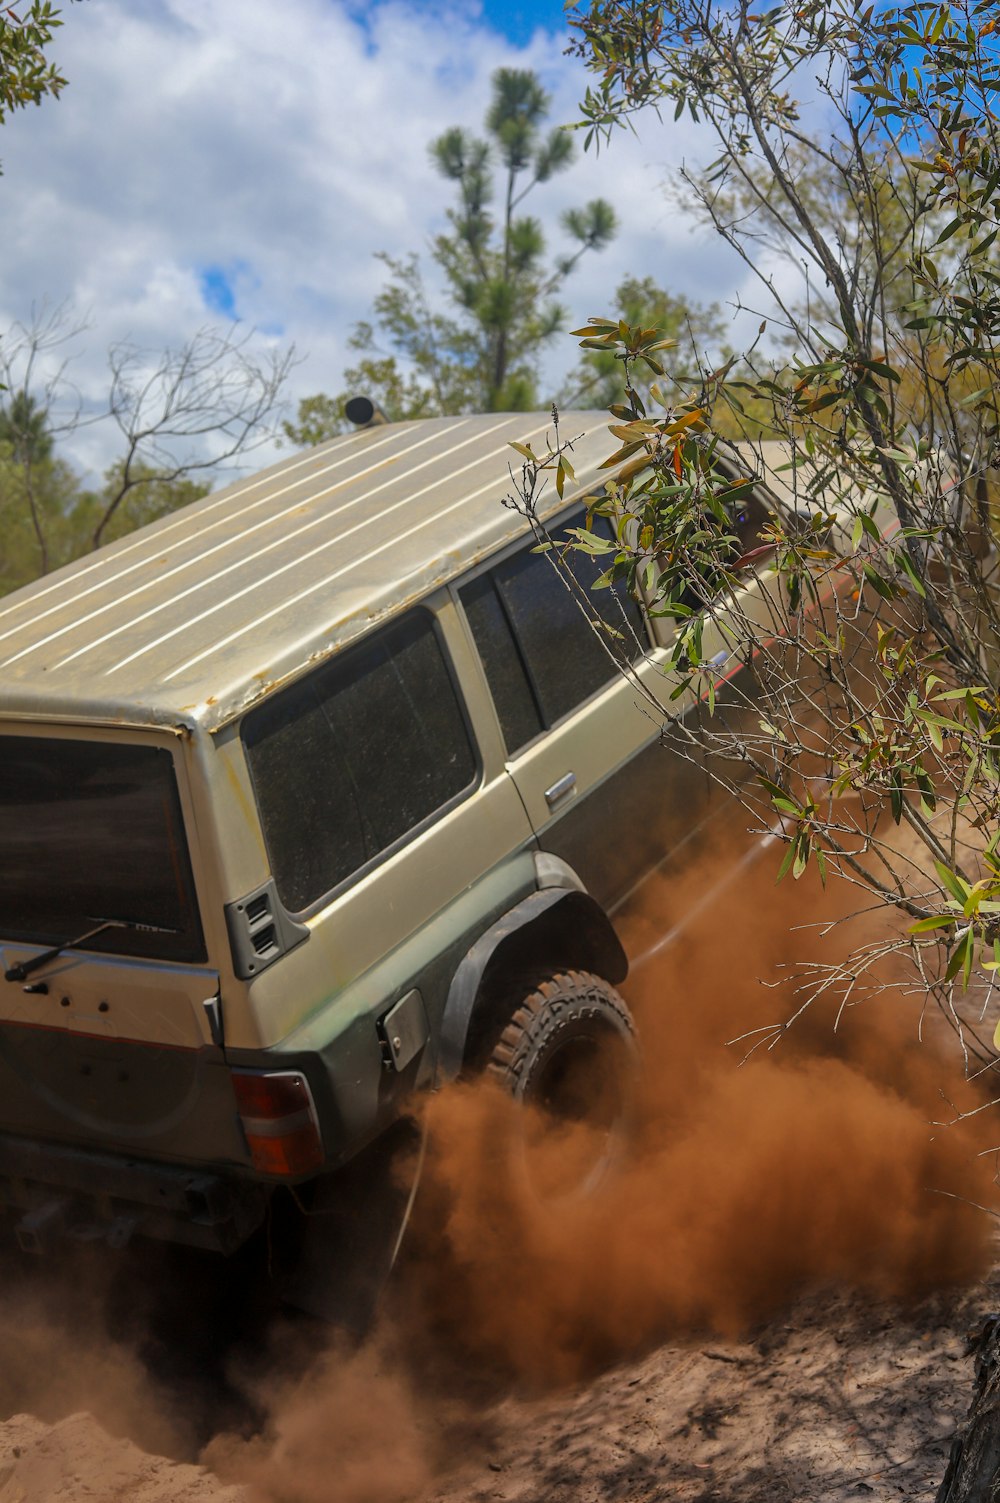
[837, 1399]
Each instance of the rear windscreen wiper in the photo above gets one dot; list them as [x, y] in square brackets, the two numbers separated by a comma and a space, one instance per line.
[24, 968]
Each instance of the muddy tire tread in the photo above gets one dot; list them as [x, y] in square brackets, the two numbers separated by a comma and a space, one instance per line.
[574, 994]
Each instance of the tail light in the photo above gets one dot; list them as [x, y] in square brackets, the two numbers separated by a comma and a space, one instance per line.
[279, 1121]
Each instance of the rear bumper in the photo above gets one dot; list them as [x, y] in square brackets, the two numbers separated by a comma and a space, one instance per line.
[56, 1191]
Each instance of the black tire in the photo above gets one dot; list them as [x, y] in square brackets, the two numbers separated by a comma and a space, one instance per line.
[570, 1051]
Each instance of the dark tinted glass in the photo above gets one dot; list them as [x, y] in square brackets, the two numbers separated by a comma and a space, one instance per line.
[536, 642]
[352, 758]
[520, 718]
[748, 518]
[614, 605]
[92, 830]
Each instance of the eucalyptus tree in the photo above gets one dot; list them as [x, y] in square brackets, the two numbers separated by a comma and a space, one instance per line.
[26, 73]
[869, 606]
[857, 172]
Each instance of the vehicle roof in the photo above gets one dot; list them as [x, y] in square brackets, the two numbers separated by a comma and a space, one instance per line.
[193, 618]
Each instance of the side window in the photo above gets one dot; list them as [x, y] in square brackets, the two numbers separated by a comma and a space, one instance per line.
[750, 517]
[747, 520]
[541, 656]
[351, 759]
[517, 706]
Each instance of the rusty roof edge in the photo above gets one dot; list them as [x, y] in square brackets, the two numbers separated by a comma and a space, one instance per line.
[91, 716]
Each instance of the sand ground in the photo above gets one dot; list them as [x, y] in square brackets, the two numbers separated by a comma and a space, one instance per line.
[840, 1399]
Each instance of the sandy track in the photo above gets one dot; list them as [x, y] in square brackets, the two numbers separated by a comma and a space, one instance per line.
[77, 1460]
[839, 1399]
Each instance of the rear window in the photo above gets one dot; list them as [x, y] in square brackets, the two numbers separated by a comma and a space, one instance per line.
[352, 760]
[91, 831]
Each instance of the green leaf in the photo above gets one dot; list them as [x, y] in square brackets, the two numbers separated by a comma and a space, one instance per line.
[957, 959]
[899, 455]
[925, 925]
[928, 798]
[620, 455]
[779, 797]
[880, 585]
[952, 882]
[826, 400]
[595, 326]
[903, 559]
[950, 229]
[785, 806]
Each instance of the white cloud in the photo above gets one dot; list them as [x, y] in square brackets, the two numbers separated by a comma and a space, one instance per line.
[285, 145]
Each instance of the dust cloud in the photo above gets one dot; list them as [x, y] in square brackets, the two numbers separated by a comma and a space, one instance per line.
[348, 1430]
[746, 1182]
[61, 1357]
[814, 1164]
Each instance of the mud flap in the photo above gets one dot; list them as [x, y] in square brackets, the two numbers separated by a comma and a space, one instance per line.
[355, 1223]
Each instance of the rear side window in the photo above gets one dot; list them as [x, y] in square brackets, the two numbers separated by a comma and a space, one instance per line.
[541, 656]
[351, 760]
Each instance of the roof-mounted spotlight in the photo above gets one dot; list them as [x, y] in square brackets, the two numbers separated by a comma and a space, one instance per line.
[363, 412]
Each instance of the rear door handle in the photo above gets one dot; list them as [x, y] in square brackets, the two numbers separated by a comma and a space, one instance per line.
[560, 789]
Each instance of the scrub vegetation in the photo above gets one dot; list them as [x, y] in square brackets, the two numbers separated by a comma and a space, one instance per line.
[179, 415]
[859, 145]
[26, 74]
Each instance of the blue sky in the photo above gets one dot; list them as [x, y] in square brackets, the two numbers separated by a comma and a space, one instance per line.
[517, 20]
[220, 161]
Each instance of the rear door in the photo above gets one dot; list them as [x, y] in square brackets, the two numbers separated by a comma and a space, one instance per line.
[105, 1035]
[583, 743]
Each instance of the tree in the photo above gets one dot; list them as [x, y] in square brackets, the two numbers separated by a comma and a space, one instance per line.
[37, 492]
[693, 329]
[179, 414]
[858, 149]
[24, 429]
[320, 417]
[35, 488]
[26, 76]
[122, 507]
[479, 350]
[872, 632]
[189, 410]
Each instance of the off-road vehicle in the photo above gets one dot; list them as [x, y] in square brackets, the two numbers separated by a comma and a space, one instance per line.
[313, 795]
